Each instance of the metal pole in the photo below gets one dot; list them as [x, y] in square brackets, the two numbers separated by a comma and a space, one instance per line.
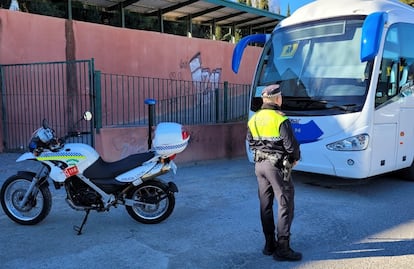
[225, 100]
[151, 115]
[69, 9]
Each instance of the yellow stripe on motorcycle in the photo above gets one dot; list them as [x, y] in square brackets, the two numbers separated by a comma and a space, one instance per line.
[55, 157]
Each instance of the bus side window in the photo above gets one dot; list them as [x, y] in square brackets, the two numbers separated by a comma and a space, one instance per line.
[401, 34]
[410, 76]
[393, 80]
[395, 65]
[398, 77]
[381, 95]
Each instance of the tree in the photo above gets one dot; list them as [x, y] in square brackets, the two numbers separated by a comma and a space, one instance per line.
[264, 4]
[408, 2]
[261, 4]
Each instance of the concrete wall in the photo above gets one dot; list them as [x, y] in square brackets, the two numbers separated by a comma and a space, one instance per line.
[207, 142]
[26, 38]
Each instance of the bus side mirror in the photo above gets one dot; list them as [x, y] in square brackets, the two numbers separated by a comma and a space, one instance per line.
[241, 45]
[371, 35]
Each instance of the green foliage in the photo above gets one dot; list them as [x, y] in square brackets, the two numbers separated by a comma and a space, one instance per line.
[83, 12]
[5, 3]
[262, 4]
[95, 14]
[408, 2]
[218, 33]
[43, 7]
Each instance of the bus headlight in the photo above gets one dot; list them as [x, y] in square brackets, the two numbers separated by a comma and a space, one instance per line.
[353, 143]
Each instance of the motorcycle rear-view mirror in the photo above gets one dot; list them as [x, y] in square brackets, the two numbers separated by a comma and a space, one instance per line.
[87, 115]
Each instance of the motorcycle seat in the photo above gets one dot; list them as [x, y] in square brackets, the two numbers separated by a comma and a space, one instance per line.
[103, 169]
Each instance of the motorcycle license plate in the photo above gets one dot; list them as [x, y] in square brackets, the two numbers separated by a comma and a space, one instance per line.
[71, 171]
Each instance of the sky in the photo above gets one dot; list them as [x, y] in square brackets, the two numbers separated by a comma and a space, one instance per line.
[283, 4]
[293, 4]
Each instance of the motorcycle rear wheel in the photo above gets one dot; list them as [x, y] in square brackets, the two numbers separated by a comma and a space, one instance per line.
[159, 202]
[36, 208]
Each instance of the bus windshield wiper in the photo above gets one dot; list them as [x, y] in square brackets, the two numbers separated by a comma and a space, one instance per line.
[306, 102]
[346, 107]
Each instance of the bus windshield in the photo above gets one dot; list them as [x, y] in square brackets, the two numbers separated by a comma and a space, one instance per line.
[317, 66]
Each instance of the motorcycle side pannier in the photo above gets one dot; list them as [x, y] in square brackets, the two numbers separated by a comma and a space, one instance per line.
[169, 138]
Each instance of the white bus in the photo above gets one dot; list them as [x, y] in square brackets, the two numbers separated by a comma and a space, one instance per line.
[345, 70]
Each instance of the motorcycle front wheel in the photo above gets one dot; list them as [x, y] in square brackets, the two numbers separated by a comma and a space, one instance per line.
[34, 210]
[155, 202]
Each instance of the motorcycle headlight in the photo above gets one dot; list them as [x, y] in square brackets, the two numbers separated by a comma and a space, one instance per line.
[353, 143]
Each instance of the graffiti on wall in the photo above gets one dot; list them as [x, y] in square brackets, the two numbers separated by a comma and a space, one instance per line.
[204, 78]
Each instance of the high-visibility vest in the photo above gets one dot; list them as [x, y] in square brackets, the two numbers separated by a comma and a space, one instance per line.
[264, 125]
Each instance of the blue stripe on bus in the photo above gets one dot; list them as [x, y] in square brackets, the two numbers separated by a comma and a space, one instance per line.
[307, 133]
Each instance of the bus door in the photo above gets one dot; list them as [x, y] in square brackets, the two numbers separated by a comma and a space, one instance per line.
[405, 138]
[393, 132]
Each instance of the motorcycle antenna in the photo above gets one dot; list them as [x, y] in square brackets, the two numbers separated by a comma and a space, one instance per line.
[151, 113]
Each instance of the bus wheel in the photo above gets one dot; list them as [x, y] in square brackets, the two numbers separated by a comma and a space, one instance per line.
[407, 173]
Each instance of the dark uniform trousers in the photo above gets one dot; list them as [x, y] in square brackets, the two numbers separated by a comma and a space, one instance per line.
[271, 185]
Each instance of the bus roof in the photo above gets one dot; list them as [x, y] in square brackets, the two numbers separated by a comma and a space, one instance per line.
[322, 9]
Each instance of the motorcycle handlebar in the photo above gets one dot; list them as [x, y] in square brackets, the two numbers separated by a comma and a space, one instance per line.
[73, 134]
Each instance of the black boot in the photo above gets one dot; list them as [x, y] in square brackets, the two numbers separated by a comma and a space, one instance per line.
[284, 252]
[271, 244]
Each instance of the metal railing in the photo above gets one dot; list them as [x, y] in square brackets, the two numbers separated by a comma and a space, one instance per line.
[62, 91]
[57, 91]
[186, 102]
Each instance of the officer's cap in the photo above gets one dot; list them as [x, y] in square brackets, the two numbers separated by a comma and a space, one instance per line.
[271, 91]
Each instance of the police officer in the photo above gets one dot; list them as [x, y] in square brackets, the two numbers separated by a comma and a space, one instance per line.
[271, 139]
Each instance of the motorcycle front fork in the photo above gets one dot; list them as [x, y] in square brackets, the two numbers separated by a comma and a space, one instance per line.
[33, 188]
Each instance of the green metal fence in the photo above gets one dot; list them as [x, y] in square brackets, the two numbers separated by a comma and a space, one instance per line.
[186, 102]
[57, 91]
[62, 91]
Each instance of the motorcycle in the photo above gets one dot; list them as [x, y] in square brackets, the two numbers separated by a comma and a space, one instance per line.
[90, 182]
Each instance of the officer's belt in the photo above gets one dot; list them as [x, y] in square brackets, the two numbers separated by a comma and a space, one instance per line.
[260, 156]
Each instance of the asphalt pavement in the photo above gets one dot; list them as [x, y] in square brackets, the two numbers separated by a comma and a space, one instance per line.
[215, 224]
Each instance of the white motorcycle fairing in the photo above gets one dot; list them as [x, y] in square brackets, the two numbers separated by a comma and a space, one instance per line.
[146, 170]
[77, 156]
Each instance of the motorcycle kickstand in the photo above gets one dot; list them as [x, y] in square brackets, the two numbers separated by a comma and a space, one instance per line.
[79, 229]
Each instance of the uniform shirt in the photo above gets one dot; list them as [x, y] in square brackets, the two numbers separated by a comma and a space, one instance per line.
[271, 132]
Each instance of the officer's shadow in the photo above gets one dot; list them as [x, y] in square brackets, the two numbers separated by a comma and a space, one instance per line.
[381, 247]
